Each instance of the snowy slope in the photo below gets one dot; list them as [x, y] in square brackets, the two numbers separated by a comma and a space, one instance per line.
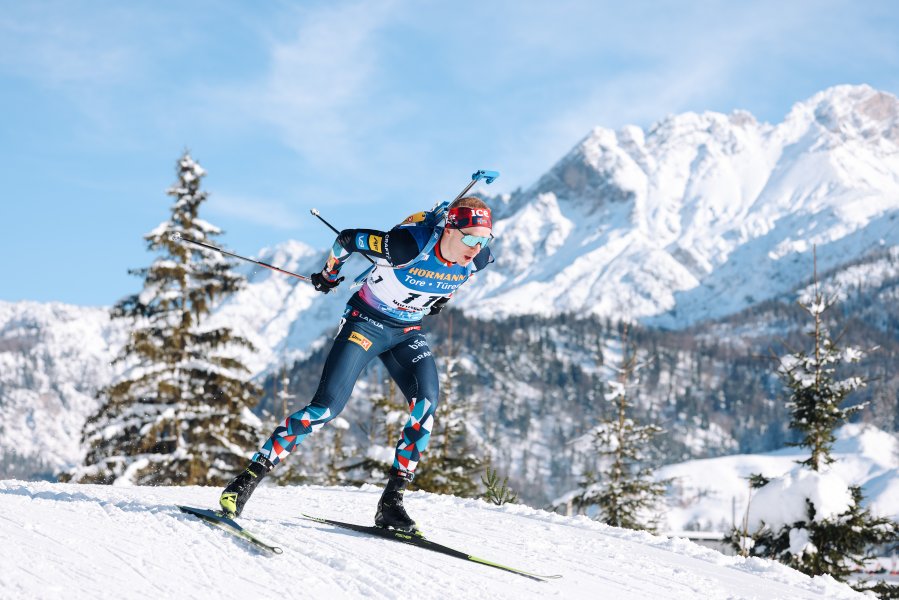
[712, 494]
[96, 541]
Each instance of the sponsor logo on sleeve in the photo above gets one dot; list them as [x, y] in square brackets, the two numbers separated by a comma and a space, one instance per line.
[375, 243]
[362, 241]
[413, 328]
[360, 339]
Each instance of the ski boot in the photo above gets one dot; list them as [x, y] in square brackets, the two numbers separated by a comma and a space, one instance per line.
[391, 514]
[241, 488]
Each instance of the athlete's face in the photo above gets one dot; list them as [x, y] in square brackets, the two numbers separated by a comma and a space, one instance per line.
[453, 244]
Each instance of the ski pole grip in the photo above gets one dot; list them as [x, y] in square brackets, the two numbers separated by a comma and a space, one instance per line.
[318, 215]
[488, 176]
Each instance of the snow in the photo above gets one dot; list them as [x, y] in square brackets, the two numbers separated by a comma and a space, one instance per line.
[700, 215]
[711, 494]
[53, 357]
[783, 500]
[800, 542]
[87, 541]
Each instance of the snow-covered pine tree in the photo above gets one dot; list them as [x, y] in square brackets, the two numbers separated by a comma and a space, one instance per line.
[624, 489]
[451, 465]
[831, 532]
[181, 412]
[383, 428]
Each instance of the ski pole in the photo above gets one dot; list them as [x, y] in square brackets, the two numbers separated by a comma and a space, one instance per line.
[315, 212]
[177, 237]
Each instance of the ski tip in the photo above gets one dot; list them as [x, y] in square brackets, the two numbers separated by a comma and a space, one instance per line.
[311, 518]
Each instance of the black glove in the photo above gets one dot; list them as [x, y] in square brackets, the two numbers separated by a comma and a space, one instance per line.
[321, 283]
[438, 306]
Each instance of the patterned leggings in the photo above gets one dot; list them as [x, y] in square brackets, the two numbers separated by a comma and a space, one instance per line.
[404, 351]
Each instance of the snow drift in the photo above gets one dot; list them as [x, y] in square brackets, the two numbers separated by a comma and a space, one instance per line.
[84, 541]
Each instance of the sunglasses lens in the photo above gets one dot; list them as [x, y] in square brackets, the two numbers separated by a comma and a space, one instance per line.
[473, 240]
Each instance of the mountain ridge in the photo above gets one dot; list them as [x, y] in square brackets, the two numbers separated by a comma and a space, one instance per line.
[651, 226]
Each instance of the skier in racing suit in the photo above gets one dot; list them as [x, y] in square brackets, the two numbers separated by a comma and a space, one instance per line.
[418, 267]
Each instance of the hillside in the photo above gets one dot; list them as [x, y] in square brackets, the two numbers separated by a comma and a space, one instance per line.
[62, 540]
[712, 494]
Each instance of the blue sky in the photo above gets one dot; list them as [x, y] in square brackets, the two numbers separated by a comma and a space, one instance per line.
[367, 111]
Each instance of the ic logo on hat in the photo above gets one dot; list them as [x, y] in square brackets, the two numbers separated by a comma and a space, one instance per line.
[464, 216]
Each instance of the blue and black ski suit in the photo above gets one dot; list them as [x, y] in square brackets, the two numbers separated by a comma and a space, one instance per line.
[384, 319]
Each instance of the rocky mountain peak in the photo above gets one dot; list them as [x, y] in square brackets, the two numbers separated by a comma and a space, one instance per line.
[701, 214]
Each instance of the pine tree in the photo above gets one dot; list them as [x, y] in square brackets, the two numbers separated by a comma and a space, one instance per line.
[834, 545]
[384, 427]
[180, 414]
[624, 490]
[496, 492]
[451, 464]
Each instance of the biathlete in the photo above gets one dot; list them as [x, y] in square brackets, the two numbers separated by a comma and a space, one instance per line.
[419, 264]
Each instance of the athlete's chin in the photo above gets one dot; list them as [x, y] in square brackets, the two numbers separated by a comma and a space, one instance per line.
[464, 260]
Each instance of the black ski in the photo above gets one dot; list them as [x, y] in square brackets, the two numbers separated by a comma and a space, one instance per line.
[217, 519]
[417, 539]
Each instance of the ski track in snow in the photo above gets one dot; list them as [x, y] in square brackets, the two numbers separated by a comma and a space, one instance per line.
[86, 541]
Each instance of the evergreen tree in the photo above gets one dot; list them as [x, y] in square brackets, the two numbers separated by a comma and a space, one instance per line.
[496, 492]
[384, 428]
[834, 545]
[624, 490]
[181, 412]
[452, 464]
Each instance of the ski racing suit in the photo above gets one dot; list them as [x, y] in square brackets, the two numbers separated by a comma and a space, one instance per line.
[383, 319]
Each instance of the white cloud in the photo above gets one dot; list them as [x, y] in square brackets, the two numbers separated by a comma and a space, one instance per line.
[54, 48]
[317, 90]
[689, 58]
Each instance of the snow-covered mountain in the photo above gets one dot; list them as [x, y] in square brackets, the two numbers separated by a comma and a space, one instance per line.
[697, 218]
[53, 357]
[90, 541]
[701, 215]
